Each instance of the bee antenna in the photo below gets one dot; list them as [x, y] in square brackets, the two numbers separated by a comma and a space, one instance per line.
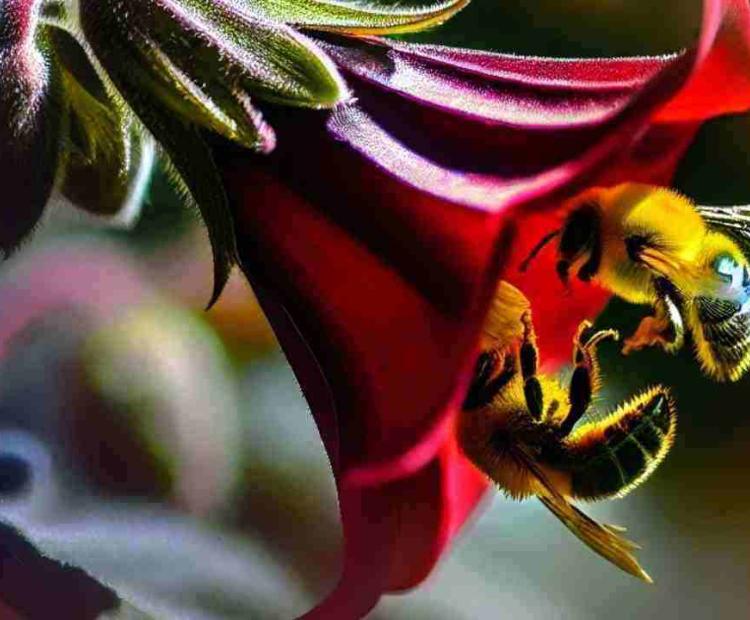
[538, 248]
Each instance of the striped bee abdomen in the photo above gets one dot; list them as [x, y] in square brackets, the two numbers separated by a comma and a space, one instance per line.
[612, 456]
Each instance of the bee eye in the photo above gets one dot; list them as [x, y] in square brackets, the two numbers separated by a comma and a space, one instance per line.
[728, 269]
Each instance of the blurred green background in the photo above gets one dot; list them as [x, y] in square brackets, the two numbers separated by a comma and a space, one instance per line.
[514, 560]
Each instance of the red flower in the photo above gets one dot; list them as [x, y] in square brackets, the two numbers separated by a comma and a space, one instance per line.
[375, 242]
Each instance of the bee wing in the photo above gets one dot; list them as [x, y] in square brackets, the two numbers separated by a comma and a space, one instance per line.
[503, 324]
[606, 540]
[732, 220]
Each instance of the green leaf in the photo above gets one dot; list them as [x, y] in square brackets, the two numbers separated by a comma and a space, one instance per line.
[359, 17]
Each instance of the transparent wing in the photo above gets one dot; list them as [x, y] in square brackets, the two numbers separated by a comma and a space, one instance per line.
[503, 324]
[733, 220]
[606, 540]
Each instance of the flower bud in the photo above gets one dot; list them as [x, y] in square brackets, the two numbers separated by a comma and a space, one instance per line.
[28, 135]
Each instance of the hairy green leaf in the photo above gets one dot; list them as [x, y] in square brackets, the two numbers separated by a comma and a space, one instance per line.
[173, 112]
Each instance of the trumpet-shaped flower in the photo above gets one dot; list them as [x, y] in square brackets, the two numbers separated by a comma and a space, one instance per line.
[375, 239]
[373, 233]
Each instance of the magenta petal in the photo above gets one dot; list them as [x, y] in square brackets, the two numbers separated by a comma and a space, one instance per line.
[427, 147]
[576, 74]
[498, 89]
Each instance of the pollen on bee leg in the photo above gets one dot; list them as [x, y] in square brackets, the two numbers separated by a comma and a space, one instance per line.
[650, 332]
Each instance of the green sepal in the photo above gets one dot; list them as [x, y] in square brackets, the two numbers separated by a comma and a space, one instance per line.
[358, 17]
[197, 179]
[106, 157]
[200, 181]
[240, 51]
[207, 59]
[145, 78]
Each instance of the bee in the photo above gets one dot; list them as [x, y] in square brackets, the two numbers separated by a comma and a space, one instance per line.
[650, 245]
[519, 428]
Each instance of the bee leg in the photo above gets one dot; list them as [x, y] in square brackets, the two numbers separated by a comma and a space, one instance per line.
[529, 357]
[585, 380]
[579, 239]
[650, 332]
[486, 384]
[563, 271]
[590, 268]
[665, 328]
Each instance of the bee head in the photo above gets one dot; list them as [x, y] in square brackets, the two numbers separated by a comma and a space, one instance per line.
[724, 270]
[719, 314]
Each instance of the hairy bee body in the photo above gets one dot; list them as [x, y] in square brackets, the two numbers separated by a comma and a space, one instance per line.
[518, 427]
[601, 459]
[633, 211]
[650, 245]
[490, 435]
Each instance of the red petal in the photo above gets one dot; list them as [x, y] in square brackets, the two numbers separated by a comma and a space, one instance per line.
[720, 84]
[395, 531]
[390, 343]
[384, 245]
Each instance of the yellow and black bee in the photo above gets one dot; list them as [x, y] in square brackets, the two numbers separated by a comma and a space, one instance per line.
[650, 245]
[519, 428]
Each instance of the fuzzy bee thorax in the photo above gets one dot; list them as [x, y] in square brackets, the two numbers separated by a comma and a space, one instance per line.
[657, 221]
